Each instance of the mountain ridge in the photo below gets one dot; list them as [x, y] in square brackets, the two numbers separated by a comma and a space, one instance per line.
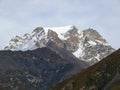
[87, 45]
[36, 69]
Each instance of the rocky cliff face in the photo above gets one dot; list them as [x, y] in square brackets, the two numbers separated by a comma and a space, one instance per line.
[87, 45]
[92, 47]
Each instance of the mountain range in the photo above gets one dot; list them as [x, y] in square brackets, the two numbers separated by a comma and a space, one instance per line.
[51, 55]
[87, 45]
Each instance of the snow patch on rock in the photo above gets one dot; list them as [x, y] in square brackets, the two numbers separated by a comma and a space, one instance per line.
[92, 42]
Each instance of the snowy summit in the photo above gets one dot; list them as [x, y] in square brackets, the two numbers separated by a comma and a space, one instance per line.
[87, 45]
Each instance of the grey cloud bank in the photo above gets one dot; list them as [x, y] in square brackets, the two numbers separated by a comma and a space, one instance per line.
[20, 16]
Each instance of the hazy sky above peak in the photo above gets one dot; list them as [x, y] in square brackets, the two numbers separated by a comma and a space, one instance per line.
[21, 16]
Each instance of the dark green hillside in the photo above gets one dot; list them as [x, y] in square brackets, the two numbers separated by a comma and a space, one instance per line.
[115, 86]
[97, 77]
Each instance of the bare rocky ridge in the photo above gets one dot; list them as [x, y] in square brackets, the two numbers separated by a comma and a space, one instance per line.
[87, 45]
[93, 47]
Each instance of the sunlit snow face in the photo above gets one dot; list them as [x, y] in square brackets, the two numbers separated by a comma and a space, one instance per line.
[59, 30]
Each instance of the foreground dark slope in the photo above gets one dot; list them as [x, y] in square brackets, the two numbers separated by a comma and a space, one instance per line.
[102, 76]
[35, 70]
[115, 86]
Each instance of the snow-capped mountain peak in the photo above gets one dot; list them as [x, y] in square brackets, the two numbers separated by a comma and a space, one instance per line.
[87, 45]
[60, 30]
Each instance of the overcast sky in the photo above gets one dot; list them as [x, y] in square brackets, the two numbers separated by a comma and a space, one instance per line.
[20, 16]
